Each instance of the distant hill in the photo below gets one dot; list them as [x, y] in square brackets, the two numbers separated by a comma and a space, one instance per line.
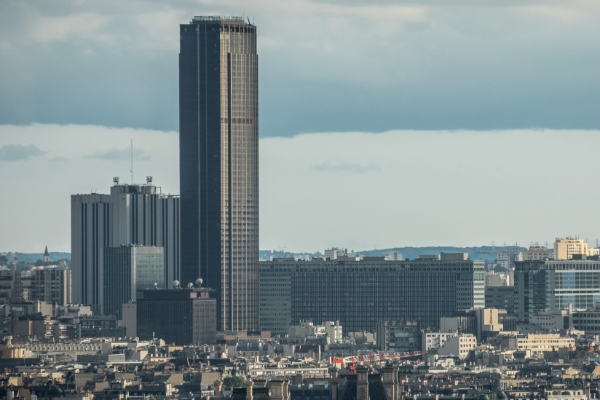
[487, 253]
[33, 257]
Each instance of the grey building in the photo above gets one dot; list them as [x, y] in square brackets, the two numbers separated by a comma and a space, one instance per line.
[130, 214]
[500, 297]
[129, 269]
[398, 336]
[218, 141]
[361, 293]
[11, 287]
[52, 285]
[180, 316]
[554, 285]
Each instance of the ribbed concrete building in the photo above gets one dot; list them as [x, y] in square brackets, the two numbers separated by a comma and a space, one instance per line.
[218, 145]
[130, 214]
[360, 294]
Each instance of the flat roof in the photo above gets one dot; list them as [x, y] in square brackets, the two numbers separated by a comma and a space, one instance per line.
[217, 18]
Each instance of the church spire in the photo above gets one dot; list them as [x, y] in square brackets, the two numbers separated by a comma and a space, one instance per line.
[46, 255]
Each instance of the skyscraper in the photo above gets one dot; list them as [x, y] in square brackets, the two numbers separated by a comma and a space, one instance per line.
[130, 214]
[218, 123]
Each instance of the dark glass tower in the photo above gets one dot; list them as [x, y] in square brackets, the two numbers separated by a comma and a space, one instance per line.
[218, 147]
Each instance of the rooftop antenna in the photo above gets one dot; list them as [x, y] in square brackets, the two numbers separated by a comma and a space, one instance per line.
[131, 170]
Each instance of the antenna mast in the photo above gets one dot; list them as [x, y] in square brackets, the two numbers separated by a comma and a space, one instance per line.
[131, 170]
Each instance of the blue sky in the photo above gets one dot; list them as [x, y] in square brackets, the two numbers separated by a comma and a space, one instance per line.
[490, 108]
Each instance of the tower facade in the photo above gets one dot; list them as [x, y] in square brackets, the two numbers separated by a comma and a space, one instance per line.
[218, 122]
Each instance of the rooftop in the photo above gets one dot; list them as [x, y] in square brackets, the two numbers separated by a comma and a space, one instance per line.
[217, 18]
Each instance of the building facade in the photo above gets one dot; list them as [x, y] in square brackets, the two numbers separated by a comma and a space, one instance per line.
[554, 285]
[398, 336]
[500, 297]
[564, 249]
[180, 316]
[218, 142]
[52, 285]
[130, 214]
[359, 294]
[538, 253]
[11, 287]
[498, 279]
[129, 269]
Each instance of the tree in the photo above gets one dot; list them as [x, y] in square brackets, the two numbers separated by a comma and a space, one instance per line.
[233, 381]
[3, 260]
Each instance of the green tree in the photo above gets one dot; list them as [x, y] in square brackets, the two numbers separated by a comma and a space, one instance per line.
[233, 381]
[3, 260]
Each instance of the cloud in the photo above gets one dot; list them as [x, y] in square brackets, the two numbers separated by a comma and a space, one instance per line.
[120, 154]
[343, 64]
[339, 166]
[58, 159]
[16, 152]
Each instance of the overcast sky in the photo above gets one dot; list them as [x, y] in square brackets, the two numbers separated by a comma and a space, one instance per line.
[382, 123]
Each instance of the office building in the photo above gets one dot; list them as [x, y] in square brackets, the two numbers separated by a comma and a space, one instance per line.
[129, 269]
[500, 297]
[564, 249]
[52, 285]
[498, 279]
[11, 287]
[130, 214]
[359, 294]
[538, 253]
[398, 336]
[451, 345]
[335, 252]
[218, 145]
[554, 285]
[538, 343]
[180, 316]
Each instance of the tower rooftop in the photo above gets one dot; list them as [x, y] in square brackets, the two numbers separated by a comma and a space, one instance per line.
[217, 18]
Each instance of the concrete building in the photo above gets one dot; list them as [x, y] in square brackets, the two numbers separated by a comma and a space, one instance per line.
[180, 316]
[330, 331]
[482, 323]
[335, 252]
[448, 344]
[398, 336]
[130, 214]
[564, 249]
[218, 155]
[129, 319]
[359, 294]
[554, 320]
[506, 259]
[538, 253]
[538, 343]
[497, 279]
[129, 269]
[11, 288]
[554, 284]
[458, 346]
[394, 256]
[51, 285]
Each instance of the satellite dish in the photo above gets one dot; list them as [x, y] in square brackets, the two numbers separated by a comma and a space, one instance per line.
[155, 285]
[190, 285]
[176, 284]
[199, 282]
